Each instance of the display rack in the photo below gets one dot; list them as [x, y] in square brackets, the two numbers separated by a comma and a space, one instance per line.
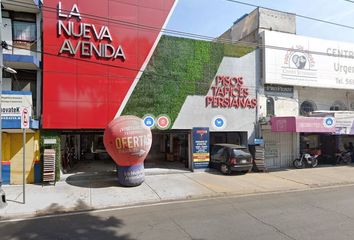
[49, 166]
[259, 160]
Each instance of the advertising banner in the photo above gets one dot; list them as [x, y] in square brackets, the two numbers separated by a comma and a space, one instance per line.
[201, 153]
[303, 124]
[344, 123]
[12, 104]
[303, 61]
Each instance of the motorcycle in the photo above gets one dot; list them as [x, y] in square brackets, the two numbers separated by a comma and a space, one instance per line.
[307, 160]
[343, 157]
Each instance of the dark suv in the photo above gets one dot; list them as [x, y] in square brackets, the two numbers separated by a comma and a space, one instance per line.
[230, 157]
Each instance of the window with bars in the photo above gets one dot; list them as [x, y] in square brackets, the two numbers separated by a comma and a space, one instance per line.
[270, 106]
[24, 31]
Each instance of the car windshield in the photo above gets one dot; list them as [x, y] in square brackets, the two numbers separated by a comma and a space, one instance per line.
[238, 152]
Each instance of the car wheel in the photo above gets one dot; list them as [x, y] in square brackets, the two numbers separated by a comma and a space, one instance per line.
[225, 169]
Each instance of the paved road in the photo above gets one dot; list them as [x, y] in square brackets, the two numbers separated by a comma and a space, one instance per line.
[317, 214]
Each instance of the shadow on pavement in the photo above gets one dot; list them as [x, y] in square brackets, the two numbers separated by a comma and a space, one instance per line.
[93, 180]
[217, 172]
[78, 226]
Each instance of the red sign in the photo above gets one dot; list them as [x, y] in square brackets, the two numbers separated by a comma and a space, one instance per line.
[25, 118]
[93, 54]
[230, 92]
[127, 140]
[163, 122]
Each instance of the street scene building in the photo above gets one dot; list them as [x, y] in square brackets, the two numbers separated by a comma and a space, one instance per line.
[21, 91]
[81, 64]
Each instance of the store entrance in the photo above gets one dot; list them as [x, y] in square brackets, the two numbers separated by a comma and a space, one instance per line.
[169, 150]
[238, 138]
[84, 152]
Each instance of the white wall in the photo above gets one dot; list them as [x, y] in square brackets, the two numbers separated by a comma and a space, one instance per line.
[282, 106]
[194, 112]
[324, 98]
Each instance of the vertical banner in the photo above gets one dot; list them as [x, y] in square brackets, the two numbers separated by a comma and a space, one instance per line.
[201, 153]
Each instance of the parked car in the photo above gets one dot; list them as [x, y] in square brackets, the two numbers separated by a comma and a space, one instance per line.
[230, 158]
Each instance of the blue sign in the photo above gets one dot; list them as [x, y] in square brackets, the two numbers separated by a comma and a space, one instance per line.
[258, 141]
[149, 121]
[201, 152]
[329, 122]
[12, 102]
[219, 122]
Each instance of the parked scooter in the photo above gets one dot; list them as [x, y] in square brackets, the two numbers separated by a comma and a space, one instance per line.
[306, 160]
[343, 157]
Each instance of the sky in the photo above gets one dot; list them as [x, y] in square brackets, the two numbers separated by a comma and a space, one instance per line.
[213, 17]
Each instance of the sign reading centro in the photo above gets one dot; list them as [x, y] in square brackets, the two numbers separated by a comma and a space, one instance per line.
[86, 32]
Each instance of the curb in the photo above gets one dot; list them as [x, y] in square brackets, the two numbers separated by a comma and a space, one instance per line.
[189, 198]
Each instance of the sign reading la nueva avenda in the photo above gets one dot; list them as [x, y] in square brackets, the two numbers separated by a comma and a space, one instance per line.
[85, 36]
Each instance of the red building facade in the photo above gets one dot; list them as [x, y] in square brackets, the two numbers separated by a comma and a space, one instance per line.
[93, 55]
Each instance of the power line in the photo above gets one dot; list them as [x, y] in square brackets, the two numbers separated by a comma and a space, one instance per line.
[196, 36]
[143, 27]
[125, 23]
[70, 59]
[174, 32]
[298, 15]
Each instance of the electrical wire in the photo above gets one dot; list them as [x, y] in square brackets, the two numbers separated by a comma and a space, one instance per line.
[174, 32]
[259, 45]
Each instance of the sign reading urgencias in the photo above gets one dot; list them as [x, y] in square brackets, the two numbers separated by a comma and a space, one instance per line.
[87, 33]
[304, 61]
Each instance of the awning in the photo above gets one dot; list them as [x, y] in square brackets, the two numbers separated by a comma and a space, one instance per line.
[16, 61]
[303, 124]
[22, 5]
[15, 123]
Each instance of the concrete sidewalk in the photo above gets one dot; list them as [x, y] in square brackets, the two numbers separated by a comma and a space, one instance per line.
[76, 193]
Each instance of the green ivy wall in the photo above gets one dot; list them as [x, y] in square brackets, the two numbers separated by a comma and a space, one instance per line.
[179, 67]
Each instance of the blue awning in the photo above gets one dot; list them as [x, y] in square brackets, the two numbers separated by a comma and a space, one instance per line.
[15, 123]
[21, 61]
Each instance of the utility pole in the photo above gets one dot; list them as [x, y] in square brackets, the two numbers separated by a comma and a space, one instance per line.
[2, 193]
[1, 64]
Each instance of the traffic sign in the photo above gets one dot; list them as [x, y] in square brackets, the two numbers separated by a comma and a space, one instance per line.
[25, 117]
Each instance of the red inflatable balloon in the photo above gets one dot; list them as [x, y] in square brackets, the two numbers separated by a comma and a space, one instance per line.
[127, 140]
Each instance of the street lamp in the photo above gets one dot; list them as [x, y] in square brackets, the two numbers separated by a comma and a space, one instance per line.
[9, 70]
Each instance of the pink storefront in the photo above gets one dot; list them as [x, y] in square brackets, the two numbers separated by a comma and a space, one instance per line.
[301, 124]
[286, 136]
